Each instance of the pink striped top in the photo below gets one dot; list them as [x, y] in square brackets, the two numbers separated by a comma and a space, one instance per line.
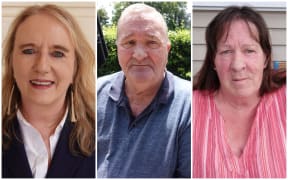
[264, 155]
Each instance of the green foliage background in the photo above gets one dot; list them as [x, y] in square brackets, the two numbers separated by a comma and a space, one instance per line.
[179, 61]
[174, 13]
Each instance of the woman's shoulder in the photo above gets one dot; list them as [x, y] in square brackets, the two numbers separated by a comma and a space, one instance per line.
[275, 99]
[201, 95]
[279, 93]
[201, 99]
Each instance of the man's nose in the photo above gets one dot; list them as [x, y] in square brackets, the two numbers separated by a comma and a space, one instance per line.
[140, 52]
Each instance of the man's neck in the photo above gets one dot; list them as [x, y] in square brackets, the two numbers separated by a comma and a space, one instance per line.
[140, 96]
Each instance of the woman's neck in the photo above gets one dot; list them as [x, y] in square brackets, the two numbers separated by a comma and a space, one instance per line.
[238, 114]
[44, 118]
[238, 102]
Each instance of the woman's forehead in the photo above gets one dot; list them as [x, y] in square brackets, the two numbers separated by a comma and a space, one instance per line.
[238, 25]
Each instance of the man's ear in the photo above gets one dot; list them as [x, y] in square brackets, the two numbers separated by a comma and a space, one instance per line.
[168, 46]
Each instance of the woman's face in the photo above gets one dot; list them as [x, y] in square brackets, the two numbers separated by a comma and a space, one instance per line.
[43, 61]
[240, 60]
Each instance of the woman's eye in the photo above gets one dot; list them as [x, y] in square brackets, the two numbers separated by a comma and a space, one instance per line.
[28, 51]
[250, 51]
[226, 52]
[58, 54]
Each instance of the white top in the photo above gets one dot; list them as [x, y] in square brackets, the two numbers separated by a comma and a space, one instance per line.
[35, 147]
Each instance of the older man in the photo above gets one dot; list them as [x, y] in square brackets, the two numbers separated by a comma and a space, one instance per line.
[144, 111]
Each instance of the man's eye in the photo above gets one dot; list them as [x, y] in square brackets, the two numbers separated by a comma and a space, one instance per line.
[58, 54]
[28, 51]
[153, 44]
[128, 44]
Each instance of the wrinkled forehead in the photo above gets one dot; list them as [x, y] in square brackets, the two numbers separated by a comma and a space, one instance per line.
[141, 27]
[223, 32]
[140, 11]
[142, 20]
[146, 18]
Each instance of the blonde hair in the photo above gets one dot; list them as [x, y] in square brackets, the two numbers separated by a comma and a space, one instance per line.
[82, 137]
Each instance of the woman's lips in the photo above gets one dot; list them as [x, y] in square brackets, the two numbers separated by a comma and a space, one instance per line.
[239, 79]
[41, 84]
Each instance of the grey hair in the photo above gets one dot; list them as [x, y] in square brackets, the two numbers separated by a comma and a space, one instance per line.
[142, 10]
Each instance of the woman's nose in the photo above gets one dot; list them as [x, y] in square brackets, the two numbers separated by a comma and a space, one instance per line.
[42, 63]
[238, 62]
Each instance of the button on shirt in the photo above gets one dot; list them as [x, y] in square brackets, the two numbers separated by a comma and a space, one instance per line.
[35, 148]
[155, 144]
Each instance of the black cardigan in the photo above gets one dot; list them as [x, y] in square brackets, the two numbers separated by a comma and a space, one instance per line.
[63, 165]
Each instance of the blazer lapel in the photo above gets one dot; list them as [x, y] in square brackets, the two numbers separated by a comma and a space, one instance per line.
[15, 162]
[63, 163]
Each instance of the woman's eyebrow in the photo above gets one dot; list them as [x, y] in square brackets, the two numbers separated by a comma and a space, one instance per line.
[63, 48]
[21, 46]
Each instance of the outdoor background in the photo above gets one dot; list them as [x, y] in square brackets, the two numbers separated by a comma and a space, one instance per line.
[274, 14]
[178, 20]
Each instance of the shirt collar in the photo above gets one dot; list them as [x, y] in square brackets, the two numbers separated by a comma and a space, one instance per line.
[24, 122]
[117, 85]
[166, 90]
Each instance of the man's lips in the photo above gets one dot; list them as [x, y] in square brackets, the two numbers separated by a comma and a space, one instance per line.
[139, 65]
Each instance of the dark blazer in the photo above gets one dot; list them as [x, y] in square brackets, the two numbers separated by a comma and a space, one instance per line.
[63, 165]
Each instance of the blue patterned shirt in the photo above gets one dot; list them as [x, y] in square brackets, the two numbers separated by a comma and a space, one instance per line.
[156, 143]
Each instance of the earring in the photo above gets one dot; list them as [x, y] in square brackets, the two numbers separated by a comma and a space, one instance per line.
[10, 100]
[73, 118]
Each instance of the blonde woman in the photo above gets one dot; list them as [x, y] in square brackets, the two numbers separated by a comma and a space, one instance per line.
[48, 108]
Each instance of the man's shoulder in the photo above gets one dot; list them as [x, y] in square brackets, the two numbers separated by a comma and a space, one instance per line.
[181, 85]
[107, 79]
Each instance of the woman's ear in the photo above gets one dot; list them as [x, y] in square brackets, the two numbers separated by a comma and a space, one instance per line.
[266, 61]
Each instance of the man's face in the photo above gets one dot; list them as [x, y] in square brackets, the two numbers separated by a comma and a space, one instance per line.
[143, 48]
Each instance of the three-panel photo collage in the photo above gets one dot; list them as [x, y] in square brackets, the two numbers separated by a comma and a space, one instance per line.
[143, 89]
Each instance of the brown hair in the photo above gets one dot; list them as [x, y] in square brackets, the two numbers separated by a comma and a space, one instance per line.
[83, 133]
[207, 78]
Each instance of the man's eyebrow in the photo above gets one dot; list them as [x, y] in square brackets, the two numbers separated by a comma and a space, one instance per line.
[152, 36]
[127, 36]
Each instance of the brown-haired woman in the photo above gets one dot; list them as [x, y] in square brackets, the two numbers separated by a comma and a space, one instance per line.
[239, 106]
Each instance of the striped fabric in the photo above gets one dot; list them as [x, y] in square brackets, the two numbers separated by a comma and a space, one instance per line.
[264, 155]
